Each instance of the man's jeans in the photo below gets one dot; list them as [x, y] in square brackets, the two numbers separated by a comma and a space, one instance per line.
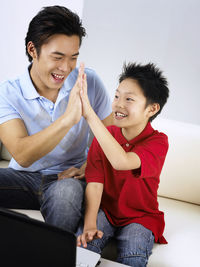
[134, 241]
[60, 201]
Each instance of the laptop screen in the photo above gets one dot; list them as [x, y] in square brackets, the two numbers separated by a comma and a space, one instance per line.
[28, 242]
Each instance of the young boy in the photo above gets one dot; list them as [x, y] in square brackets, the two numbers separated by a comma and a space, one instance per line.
[123, 168]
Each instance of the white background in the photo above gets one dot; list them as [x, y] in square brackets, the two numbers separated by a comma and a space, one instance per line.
[165, 32]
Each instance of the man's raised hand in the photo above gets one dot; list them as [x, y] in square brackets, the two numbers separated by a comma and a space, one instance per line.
[74, 107]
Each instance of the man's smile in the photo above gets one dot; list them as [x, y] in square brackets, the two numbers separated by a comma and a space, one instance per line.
[58, 77]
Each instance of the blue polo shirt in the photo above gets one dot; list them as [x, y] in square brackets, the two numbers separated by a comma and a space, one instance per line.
[19, 99]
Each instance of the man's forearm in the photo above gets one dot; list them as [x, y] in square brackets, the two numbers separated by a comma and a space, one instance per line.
[31, 148]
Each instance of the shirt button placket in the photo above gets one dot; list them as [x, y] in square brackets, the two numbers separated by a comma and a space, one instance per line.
[51, 107]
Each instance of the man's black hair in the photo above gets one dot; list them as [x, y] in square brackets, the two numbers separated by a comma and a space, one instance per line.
[53, 20]
[151, 81]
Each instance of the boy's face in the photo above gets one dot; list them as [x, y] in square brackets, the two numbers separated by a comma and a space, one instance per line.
[129, 106]
[57, 59]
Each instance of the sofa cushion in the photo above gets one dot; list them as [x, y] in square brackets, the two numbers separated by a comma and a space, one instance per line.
[5, 154]
[180, 175]
[182, 233]
[4, 163]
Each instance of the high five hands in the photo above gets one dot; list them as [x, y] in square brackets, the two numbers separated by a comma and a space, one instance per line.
[86, 107]
[79, 104]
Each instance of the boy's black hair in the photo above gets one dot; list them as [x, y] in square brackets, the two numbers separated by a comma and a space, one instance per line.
[151, 80]
[53, 20]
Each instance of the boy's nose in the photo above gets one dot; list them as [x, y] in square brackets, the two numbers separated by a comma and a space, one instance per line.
[120, 104]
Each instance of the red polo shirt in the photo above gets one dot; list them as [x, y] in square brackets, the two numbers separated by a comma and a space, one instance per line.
[131, 196]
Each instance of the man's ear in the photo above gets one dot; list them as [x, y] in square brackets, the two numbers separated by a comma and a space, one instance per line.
[31, 50]
[153, 109]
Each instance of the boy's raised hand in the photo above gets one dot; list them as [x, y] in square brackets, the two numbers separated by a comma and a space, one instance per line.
[86, 107]
[87, 236]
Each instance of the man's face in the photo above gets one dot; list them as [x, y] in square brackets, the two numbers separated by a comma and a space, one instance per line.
[58, 57]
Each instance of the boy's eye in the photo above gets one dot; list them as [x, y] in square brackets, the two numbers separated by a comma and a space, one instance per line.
[129, 99]
[116, 96]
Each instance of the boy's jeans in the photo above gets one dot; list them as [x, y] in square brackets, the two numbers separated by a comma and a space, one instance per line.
[60, 202]
[134, 241]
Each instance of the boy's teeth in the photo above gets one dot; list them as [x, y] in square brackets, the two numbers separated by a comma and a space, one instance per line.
[120, 114]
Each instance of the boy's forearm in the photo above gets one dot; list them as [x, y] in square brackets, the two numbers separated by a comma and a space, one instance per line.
[118, 158]
[93, 196]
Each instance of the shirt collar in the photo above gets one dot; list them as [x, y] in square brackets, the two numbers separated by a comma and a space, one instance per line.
[29, 91]
[148, 130]
[27, 87]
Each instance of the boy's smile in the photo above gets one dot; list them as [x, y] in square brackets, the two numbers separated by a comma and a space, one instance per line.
[119, 115]
[129, 108]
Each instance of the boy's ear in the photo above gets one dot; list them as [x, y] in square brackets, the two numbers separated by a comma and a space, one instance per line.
[31, 50]
[153, 109]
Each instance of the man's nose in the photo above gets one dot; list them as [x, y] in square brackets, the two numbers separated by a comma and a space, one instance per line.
[65, 66]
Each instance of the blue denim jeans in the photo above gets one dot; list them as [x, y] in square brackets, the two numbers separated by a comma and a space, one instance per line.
[134, 241]
[60, 201]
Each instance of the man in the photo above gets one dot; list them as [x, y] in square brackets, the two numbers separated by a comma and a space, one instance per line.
[41, 123]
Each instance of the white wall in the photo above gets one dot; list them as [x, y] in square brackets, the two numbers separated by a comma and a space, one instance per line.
[14, 21]
[165, 32]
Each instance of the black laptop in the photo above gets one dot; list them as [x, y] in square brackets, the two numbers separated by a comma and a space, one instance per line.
[28, 242]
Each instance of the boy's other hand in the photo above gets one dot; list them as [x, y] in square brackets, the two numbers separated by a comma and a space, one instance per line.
[87, 236]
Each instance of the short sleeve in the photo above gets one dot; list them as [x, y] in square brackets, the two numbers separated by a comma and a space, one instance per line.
[152, 153]
[7, 111]
[94, 169]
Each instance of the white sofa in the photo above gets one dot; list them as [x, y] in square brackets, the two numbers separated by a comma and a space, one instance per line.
[179, 197]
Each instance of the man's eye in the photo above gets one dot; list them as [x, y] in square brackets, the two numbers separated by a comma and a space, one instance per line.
[57, 58]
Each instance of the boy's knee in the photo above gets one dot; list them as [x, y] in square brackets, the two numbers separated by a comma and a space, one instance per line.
[137, 253]
[133, 259]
